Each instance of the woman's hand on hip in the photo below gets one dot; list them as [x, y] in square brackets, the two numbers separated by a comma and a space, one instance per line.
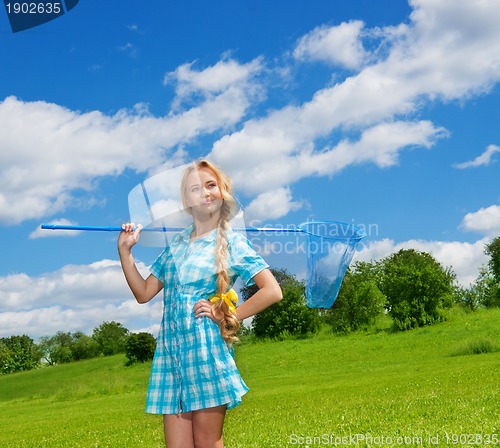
[204, 308]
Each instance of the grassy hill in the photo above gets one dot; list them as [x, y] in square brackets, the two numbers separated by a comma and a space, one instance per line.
[425, 387]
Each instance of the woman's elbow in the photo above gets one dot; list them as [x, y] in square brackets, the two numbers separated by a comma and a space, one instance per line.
[142, 298]
[276, 293]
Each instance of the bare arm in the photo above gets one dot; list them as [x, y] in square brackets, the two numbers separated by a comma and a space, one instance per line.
[269, 292]
[143, 289]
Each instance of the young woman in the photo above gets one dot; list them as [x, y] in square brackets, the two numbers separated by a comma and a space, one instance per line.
[194, 378]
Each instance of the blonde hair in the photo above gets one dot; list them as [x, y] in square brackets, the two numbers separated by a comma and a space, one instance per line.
[228, 323]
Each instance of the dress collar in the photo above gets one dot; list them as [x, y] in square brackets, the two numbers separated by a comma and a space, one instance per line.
[185, 235]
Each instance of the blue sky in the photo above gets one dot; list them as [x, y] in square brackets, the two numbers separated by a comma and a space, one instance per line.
[382, 114]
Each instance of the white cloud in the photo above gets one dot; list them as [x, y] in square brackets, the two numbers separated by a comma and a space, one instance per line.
[379, 145]
[484, 159]
[465, 259]
[76, 297]
[451, 49]
[225, 76]
[338, 45]
[39, 233]
[485, 220]
[271, 205]
[49, 151]
[78, 286]
[129, 49]
[422, 61]
[46, 321]
[259, 164]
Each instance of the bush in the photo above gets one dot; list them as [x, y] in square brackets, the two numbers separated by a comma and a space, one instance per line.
[491, 277]
[110, 338]
[485, 291]
[493, 251]
[18, 353]
[416, 287]
[360, 301]
[140, 347]
[468, 298]
[290, 316]
[83, 347]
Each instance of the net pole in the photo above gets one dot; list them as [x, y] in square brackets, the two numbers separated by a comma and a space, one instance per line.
[159, 229]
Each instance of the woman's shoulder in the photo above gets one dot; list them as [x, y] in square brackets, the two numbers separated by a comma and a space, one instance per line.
[239, 244]
[236, 237]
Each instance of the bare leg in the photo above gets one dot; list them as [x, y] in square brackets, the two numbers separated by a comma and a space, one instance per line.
[207, 427]
[178, 429]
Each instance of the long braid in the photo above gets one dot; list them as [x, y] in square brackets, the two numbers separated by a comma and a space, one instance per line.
[228, 324]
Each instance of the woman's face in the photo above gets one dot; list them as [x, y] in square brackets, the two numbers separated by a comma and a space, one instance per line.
[203, 195]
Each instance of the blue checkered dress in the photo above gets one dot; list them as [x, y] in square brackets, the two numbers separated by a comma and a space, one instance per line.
[193, 368]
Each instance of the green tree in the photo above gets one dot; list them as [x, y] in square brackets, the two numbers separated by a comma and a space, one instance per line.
[83, 346]
[57, 349]
[483, 292]
[360, 300]
[63, 342]
[468, 297]
[491, 279]
[6, 361]
[66, 347]
[110, 337]
[18, 353]
[416, 287]
[140, 347]
[493, 251]
[290, 316]
[46, 347]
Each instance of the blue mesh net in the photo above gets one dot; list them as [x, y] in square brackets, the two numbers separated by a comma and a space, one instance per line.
[331, 246]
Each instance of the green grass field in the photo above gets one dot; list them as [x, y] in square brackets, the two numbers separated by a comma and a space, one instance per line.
[435, 386]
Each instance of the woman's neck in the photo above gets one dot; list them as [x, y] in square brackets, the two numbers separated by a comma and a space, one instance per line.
[202, 227]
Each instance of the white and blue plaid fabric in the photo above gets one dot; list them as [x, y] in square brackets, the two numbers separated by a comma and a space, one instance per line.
[193, 368]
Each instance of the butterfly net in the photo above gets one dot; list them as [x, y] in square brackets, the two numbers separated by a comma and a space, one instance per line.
[330, 248]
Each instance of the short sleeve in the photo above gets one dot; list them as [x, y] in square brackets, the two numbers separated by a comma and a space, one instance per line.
[244, 260]
[158, 267]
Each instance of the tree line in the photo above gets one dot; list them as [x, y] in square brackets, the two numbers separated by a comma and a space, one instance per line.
[19, 353]
[409, 286]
